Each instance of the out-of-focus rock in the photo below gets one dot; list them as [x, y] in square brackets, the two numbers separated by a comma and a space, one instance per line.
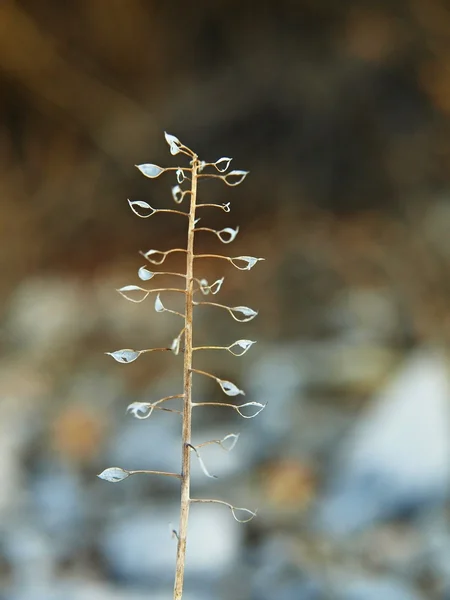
[80, 589]
[31, 554]
[398, 457]
[47, 314]
[346, 366]
[22, 392]
[279, 576]
[137, 325]
[139, 546]
[146, 444]
[57, 500]
[378, 589]
[276, 378]
[365, 315]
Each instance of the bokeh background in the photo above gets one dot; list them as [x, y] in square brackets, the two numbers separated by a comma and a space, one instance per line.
[340, 111]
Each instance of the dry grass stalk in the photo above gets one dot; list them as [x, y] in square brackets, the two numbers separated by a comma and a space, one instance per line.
[197, 170]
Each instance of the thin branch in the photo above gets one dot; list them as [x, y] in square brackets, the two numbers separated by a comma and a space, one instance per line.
[163, 290]
[174, 533]
[212, 256]
[247, 313]
[124, 291]
[170, 210]
[205, 288]
[210, 348]
[153, 350]
[227, 386]
[159, 307]
[138, 408]
[166, 398]
[236, 407]
[177, 169]
[244, 345]
[224, 207]
[210, 175]
[164, 272]
[139, 206]
[230, 506]
[145, 472]
[187, 151]
[170, 410]
[201, 463]
[163, 254]
[174, 312]
[212, 304]
[233, 436]
[236, 261]
[204, 373]
[226, 235]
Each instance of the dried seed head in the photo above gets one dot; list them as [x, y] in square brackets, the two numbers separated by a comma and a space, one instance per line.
[149, 210]
[235, 509]
[154, 253]
[125, 356]
[259, 406]
[145, 274]
[243, 314]
[213, 289]
[249, 262]
[114, 474]
[180, 175]
[235, 177]
[174, 143]
[222, 164]
[150, 170]
[175, 347]
[177, 194]
[140, 410]
[159, 307]
[227, 235]
[229, 388]
[123, 291]
[229, 441]
[244, 345]
[201, 463]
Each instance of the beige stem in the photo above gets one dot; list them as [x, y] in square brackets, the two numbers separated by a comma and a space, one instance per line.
[187, 409]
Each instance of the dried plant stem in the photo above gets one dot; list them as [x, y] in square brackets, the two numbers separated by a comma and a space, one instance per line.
[145, 472]
[187, 409]
[242, 314]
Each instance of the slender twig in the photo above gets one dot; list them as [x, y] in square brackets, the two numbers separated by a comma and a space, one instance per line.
[170, 210]
[165, 473]
[164, 272]
[179, 168]
[204, 373]
[211, 304]
[162, 253]
[212, 256]
[224, 207]
[230, 506]
[154, 350]
[187, 410]
[210, 348]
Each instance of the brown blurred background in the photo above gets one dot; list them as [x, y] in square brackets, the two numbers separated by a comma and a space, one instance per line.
[340, 112]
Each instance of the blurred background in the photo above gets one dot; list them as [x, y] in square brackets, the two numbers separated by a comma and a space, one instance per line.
[340, 112]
